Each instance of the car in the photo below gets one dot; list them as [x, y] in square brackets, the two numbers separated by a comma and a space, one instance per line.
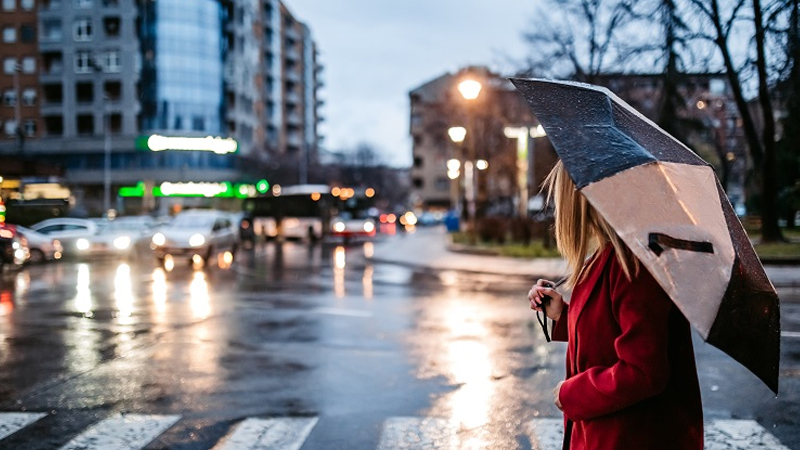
[196, 235]
[123, 236]
[349, 226]
[13, 247]
[41, 246]
[73, 233]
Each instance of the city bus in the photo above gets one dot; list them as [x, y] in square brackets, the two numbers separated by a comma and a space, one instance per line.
[293, 212]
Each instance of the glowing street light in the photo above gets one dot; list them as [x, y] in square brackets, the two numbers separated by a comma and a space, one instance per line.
[469, 89]
[457, 134]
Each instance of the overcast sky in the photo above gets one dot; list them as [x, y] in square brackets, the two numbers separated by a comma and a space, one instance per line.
[375, 51]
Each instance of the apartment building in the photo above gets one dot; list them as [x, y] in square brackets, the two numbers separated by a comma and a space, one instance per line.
[501, 159]
[20, 119]
[109, 74]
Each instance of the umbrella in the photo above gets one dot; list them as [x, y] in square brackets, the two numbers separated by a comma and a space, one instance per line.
[668, 206]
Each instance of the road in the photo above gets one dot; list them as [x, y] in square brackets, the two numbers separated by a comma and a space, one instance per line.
[314, 346]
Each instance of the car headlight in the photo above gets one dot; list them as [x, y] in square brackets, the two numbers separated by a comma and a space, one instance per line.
[122, 242]
[338, 227]
[197, 240]
[159, 239]
[82, 244]
[369, 227]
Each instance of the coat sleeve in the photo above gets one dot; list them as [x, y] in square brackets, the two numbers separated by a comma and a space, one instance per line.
[642, 309]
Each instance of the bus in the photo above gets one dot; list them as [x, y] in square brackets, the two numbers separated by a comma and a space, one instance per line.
[293, 212]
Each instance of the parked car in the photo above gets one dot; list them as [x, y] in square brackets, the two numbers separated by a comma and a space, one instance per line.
[123, 236]
[41, 246]
[72, 233]
[196, 233]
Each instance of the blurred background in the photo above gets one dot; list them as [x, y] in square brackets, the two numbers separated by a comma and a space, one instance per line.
[148, 107]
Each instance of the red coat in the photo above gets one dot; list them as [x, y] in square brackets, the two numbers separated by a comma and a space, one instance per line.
[631, 376]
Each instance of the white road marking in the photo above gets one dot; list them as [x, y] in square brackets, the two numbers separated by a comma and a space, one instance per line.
[790, 334]
[739, 435]
[418, 433]
[547, 434]
[122, 432]
[11, 422]
[270, 434]
[342, 312]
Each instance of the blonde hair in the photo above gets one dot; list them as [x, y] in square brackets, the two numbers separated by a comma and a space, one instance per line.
[579, 228]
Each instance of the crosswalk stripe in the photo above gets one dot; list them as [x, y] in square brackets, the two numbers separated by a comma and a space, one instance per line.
[418, 433]
[11, 422]
[270, 434]
[122, 432]
[740, 435]
[547, 434]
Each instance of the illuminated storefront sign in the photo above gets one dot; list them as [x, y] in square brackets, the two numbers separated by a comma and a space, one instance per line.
[223, 189]
[158, 143]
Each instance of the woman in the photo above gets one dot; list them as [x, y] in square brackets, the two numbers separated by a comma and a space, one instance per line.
[631, 378]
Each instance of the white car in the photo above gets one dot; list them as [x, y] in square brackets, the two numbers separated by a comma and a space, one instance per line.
[72, 233]
[348, 227]
[196, 234]
[41, 246]
[123, 236]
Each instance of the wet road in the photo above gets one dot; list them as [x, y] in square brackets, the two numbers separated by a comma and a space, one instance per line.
[348, 354]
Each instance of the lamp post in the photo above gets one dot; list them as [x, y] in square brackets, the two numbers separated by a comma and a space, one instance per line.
[525, 152]
[98, 68]
[470, 90]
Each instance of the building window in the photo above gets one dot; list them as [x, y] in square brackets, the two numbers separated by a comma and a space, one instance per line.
[51, 4]
[113, 90]
[418, 183]
[83, 4]
[9, 5]
[10, 127]
[442, 184]
[82, 30]
[29, 97]
[83, 62]
[114, 123]
[54, 125]
[29, 64]
[27, 5]
[9, 34]
[27, 33]
[53, 62]
[84, 92]
[10, 65]
[29, 127]
[417, 162]
[51, 30]
[111, 62]
[198, 123]
[111, 26]
[85, 124]
[10, 97]
[53, 94]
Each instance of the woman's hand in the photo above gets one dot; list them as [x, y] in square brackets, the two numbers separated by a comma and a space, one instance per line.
[556, 391]
[536, 297]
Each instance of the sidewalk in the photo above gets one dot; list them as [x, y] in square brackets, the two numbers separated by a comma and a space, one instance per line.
[429, 248]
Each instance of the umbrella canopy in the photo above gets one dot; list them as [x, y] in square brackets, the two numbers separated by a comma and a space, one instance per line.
[667, 205]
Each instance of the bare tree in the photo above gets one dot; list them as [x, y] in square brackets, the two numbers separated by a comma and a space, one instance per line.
[579, 44]
[762, 148]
